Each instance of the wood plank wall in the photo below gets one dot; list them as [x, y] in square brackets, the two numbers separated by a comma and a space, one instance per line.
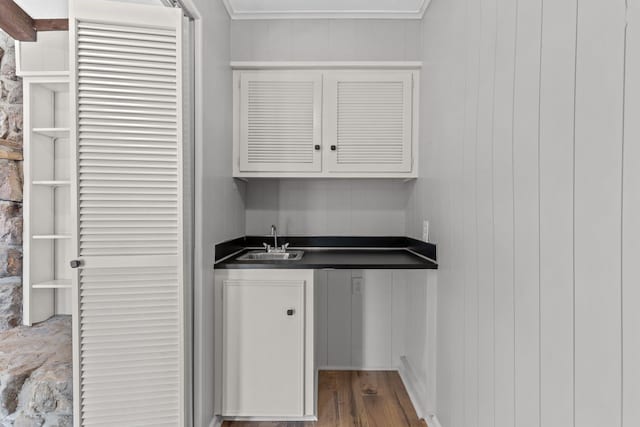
[529, 161]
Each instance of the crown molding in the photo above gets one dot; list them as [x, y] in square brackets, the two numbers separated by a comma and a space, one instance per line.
[326, 14]
[322, 65]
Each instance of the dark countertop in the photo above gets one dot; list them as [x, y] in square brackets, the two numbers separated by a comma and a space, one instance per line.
[335, 253]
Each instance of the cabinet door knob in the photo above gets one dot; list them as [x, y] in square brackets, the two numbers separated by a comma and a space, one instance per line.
[76, 263]
[334, 148]
[317, 147]
[290, 312]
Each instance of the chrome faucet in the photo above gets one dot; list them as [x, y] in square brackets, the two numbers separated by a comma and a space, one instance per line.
[275, 248]
[274, 233]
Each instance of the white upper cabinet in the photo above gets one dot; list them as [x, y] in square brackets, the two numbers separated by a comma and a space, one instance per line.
[368, 125]
[280, 121]
[330, 123]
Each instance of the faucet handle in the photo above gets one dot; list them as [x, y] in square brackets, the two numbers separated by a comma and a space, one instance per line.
[285, 246]
[266, 246]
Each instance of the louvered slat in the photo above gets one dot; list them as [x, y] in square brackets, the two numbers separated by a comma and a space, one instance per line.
[128, 127]
[371, 125]
[125, 362]
[280, 121]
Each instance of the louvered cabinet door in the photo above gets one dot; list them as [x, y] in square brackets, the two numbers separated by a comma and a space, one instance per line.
[368, 118]
[280, 121]
[128, 291]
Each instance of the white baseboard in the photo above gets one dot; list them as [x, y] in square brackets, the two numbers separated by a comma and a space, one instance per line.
[417, 392]
[216, 422]
[356, 368]
[310, 418]
[432, 421]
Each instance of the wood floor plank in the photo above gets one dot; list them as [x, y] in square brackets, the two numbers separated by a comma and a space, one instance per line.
[356, 399]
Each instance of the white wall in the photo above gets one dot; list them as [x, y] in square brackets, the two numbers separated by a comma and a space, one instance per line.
[326, 40]
[327, 207]
[529, 178]
[220, 201]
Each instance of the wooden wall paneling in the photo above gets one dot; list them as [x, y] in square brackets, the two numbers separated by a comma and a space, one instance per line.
[526, 219]
[339, 318]
[320, 319]
[631, 226]
[484, 207]
[503, 211]
[450, 302]
[371, 319]
[470, 226]
[557, 95]
[598, 187]
[399, 324]
[432, 338]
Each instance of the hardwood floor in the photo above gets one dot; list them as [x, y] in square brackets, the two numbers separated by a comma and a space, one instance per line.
[356, 398]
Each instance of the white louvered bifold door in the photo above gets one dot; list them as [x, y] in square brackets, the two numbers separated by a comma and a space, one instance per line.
[368, 121]
[280, 121]
[128, 291]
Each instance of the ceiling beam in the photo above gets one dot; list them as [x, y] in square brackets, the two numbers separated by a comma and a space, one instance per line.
[20, 26]
[51, 24]
[16, 22]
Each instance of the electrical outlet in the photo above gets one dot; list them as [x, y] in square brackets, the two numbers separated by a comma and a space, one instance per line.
[356, 285]
[425, 230]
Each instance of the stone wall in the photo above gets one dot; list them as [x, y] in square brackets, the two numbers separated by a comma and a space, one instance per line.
[10, 187]
[36, 388]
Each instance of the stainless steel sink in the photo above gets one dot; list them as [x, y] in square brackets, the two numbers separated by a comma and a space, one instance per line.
[271, 256]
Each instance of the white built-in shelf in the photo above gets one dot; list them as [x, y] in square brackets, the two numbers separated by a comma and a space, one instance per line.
[52, 183]
[54, 133]
[50, 236]
[53, 284]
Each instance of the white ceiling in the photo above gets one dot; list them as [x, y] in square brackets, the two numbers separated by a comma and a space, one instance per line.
[278, 9]
[271, 9]
[39, 9]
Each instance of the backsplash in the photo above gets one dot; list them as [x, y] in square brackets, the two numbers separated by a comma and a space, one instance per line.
[327, 207]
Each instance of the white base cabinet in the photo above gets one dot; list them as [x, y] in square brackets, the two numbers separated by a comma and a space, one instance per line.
[265, 337]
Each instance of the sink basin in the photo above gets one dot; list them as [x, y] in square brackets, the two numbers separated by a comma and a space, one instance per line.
[271, 256]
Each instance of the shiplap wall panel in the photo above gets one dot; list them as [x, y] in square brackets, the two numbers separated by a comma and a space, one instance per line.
[526, 218]
[598, 198]
[220, 199]
[362, 318]
[631, 227]
[503, 211]
[325, 40]
[557, 96]
[470, 393]
[339, 318]
[484, 210]
[327, 207]
[541, 393]
[371, 322]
